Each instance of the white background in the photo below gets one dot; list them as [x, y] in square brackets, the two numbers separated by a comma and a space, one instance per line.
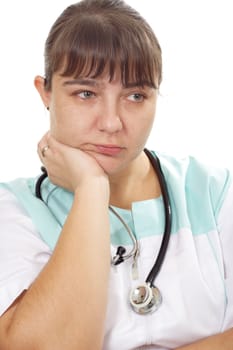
[195, 109]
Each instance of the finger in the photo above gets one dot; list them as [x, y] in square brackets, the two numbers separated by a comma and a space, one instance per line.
[43, 152]
[43, 146]
[43, 141]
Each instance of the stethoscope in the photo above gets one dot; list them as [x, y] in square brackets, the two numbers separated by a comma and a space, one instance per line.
[146, 297]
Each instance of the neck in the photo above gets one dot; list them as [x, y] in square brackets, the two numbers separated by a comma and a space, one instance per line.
[136, 183]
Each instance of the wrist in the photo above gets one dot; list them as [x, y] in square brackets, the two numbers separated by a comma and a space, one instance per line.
[94, 187]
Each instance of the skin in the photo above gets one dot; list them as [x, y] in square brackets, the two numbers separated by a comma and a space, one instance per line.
[96, 140]
[102, 115]
[84, 128]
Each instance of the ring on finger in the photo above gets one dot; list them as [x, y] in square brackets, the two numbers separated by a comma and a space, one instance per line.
[44, 149]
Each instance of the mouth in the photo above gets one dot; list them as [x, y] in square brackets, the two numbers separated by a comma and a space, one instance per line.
[108, 150]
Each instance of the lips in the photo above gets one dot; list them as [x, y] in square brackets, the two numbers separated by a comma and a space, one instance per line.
[109, 150]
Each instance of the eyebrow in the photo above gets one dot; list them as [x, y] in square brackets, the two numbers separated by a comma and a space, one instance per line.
[81, 81]
[93, 82]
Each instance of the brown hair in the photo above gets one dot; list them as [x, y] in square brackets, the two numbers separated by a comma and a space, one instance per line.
[93, 35]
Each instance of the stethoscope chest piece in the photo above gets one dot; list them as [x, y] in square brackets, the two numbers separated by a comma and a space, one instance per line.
[145, 299]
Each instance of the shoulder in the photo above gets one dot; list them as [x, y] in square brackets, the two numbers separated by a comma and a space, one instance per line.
[18, 235]
[190, 168]
[22, 252]
[9, 205]
[17, 229]
[13, 194]
[13, 216]
[200, 182]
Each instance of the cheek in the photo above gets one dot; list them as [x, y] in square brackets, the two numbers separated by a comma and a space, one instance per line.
[142, 125]
[149, 120]
[66, 127]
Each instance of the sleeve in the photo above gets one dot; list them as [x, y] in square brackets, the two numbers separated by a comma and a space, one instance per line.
[22, 252]
[225, 226]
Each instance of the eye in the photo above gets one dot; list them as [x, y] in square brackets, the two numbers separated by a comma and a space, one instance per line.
[86, 94]
[136, 97]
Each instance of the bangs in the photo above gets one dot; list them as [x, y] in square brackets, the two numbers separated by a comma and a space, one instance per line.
[95, 47]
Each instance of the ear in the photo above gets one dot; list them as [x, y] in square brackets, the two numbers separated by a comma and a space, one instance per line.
[39, 83]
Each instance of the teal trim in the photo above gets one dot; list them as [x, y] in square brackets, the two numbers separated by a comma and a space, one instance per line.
[196, 191]
[119, 235]
[42, 217]
[145, 219]
[205, 190]
[196, 195]
[58, 199]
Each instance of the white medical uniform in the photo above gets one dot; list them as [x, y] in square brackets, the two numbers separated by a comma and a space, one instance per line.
[196, 278]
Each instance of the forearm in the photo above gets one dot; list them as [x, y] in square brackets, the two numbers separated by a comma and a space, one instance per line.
[65, 306]
[222, 341]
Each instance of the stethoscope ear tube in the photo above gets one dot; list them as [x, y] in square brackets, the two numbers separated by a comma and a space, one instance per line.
[39, 183]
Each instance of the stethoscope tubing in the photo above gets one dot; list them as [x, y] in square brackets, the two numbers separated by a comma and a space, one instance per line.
[167, 210]
[168, 220]
[41, 178]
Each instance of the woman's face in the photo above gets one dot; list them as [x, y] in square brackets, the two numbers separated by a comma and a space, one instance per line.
[105, 119]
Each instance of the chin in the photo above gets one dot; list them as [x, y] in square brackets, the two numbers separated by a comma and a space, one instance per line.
[110, 165]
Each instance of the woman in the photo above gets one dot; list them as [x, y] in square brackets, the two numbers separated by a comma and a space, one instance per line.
[58, 289]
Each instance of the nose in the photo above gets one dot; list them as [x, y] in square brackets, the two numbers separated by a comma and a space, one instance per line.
[109, 119]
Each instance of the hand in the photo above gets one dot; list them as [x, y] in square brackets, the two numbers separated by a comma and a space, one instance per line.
[66, 166]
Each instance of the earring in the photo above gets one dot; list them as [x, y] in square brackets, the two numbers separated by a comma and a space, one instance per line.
[47, 108]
